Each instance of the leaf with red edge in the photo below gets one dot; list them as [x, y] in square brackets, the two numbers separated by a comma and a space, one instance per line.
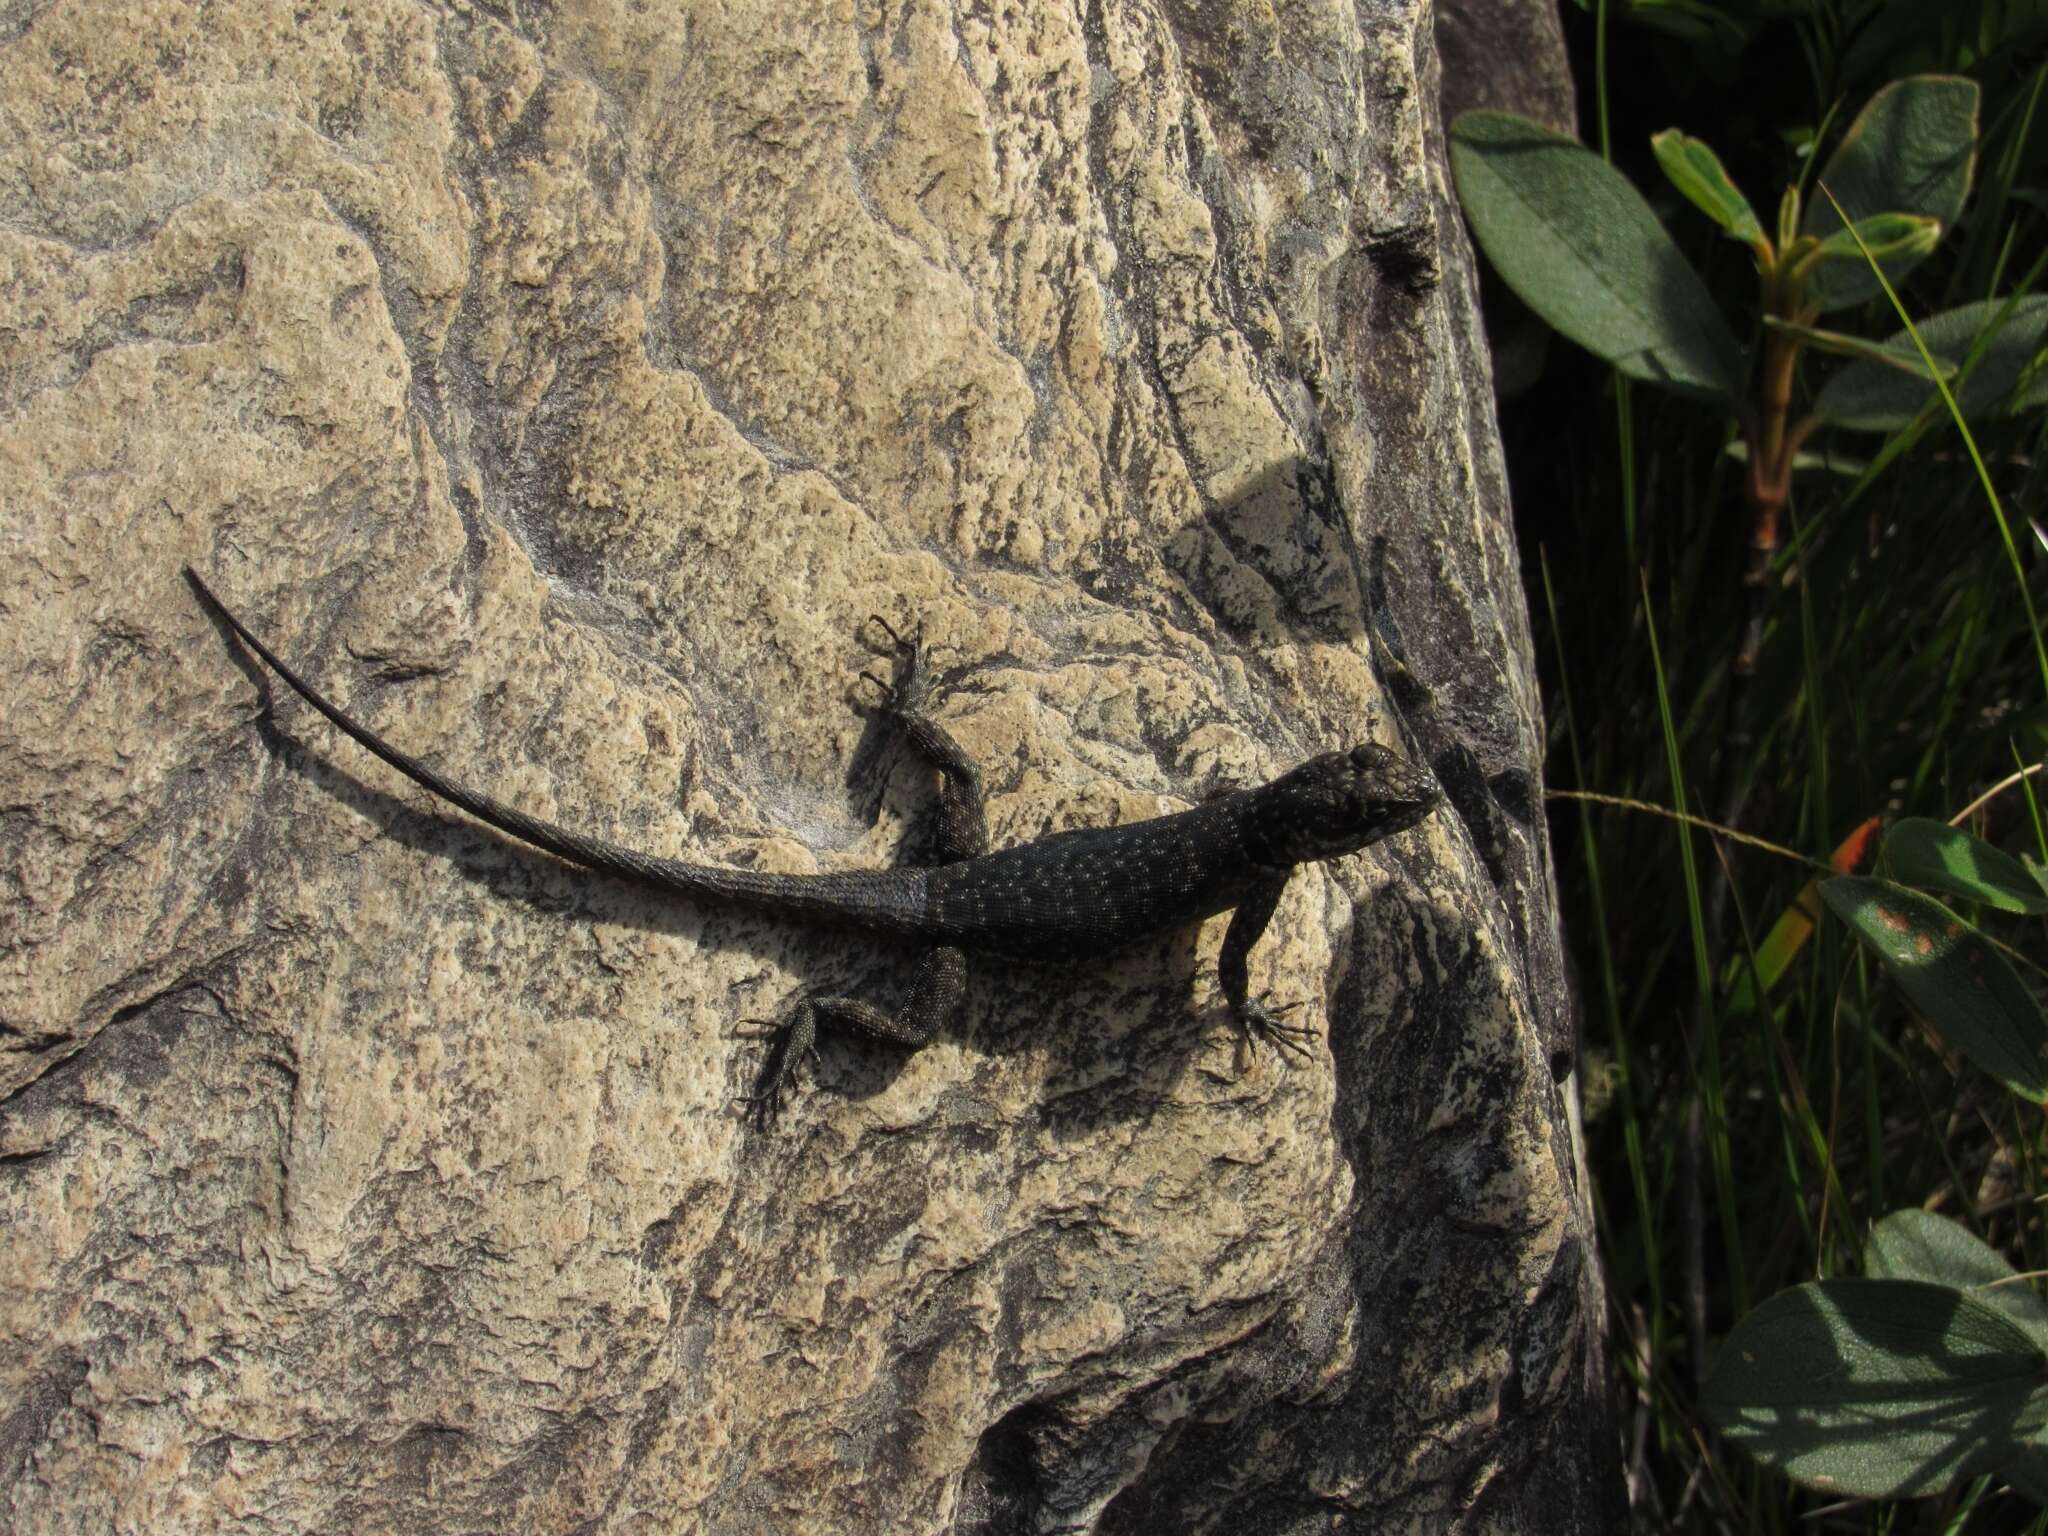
[1953, 976]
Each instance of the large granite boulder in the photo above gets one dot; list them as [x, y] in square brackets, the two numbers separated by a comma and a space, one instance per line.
[561, 386]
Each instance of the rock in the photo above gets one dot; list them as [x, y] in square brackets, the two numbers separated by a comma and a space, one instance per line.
[561, 393]
[1506, 56]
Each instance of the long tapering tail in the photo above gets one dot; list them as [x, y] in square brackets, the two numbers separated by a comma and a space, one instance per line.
[890, 900]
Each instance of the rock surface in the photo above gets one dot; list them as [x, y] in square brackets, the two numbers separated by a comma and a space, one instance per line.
[1505, 56]
[561, 387]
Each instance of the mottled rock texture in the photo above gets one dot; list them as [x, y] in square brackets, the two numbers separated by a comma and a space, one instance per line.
[562, 385]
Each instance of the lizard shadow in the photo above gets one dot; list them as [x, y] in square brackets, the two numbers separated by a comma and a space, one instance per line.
[1329, 577]
[1285, 529]
[1007, 1004]
[1131, 991]
[1321, 577]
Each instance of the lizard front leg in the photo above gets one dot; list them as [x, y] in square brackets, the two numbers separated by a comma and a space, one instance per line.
[1255, 1021]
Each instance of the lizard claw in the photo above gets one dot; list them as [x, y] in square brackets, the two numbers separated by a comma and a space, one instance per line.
[899, 642]
[882, 685]
[1259, 1024]
[906, 695]
[766, 1101]
[795, 1040]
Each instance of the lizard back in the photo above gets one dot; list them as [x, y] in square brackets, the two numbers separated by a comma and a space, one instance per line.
[1096, 889]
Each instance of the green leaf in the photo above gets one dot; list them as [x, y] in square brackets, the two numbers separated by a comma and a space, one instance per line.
[1788, 217]
[1842, 343]
[1953, 976]
[1568, 233]
[1919, 1245]
[1880, 1388]
[1886, 39]
[1699, 24]
[1697, 172]
[1807, 461]
[1885, 396]
[1932, 853]
[1913, 150]
[1891, 237]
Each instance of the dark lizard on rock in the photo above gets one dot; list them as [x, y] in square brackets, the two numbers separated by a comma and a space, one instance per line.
[1064, 898]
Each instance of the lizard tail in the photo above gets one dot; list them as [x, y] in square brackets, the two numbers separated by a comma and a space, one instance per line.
[891, 900]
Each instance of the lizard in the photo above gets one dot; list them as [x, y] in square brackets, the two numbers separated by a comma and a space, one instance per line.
[1067, 897]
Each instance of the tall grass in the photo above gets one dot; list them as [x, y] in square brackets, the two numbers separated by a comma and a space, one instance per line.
[1745, 1136]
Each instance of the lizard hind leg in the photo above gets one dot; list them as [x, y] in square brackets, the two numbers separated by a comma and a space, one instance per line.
[936, 989]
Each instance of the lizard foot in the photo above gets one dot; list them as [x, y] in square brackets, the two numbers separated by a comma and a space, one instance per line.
[1259, 1024]
[794, 1039]
[905, 696]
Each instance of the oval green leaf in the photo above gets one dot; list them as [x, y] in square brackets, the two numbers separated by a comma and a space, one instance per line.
[1953, 976]
[1919, 1245]
[1912, 149]
[1878, 1388]
[1873, 396]
[1888, 237]
[1568, 233]
[1697, 172]
[1937, 855]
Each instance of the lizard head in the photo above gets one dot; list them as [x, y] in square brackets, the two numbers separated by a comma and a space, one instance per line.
[1339, 802]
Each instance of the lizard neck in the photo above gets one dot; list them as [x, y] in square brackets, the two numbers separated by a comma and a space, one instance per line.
[1270, 828]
